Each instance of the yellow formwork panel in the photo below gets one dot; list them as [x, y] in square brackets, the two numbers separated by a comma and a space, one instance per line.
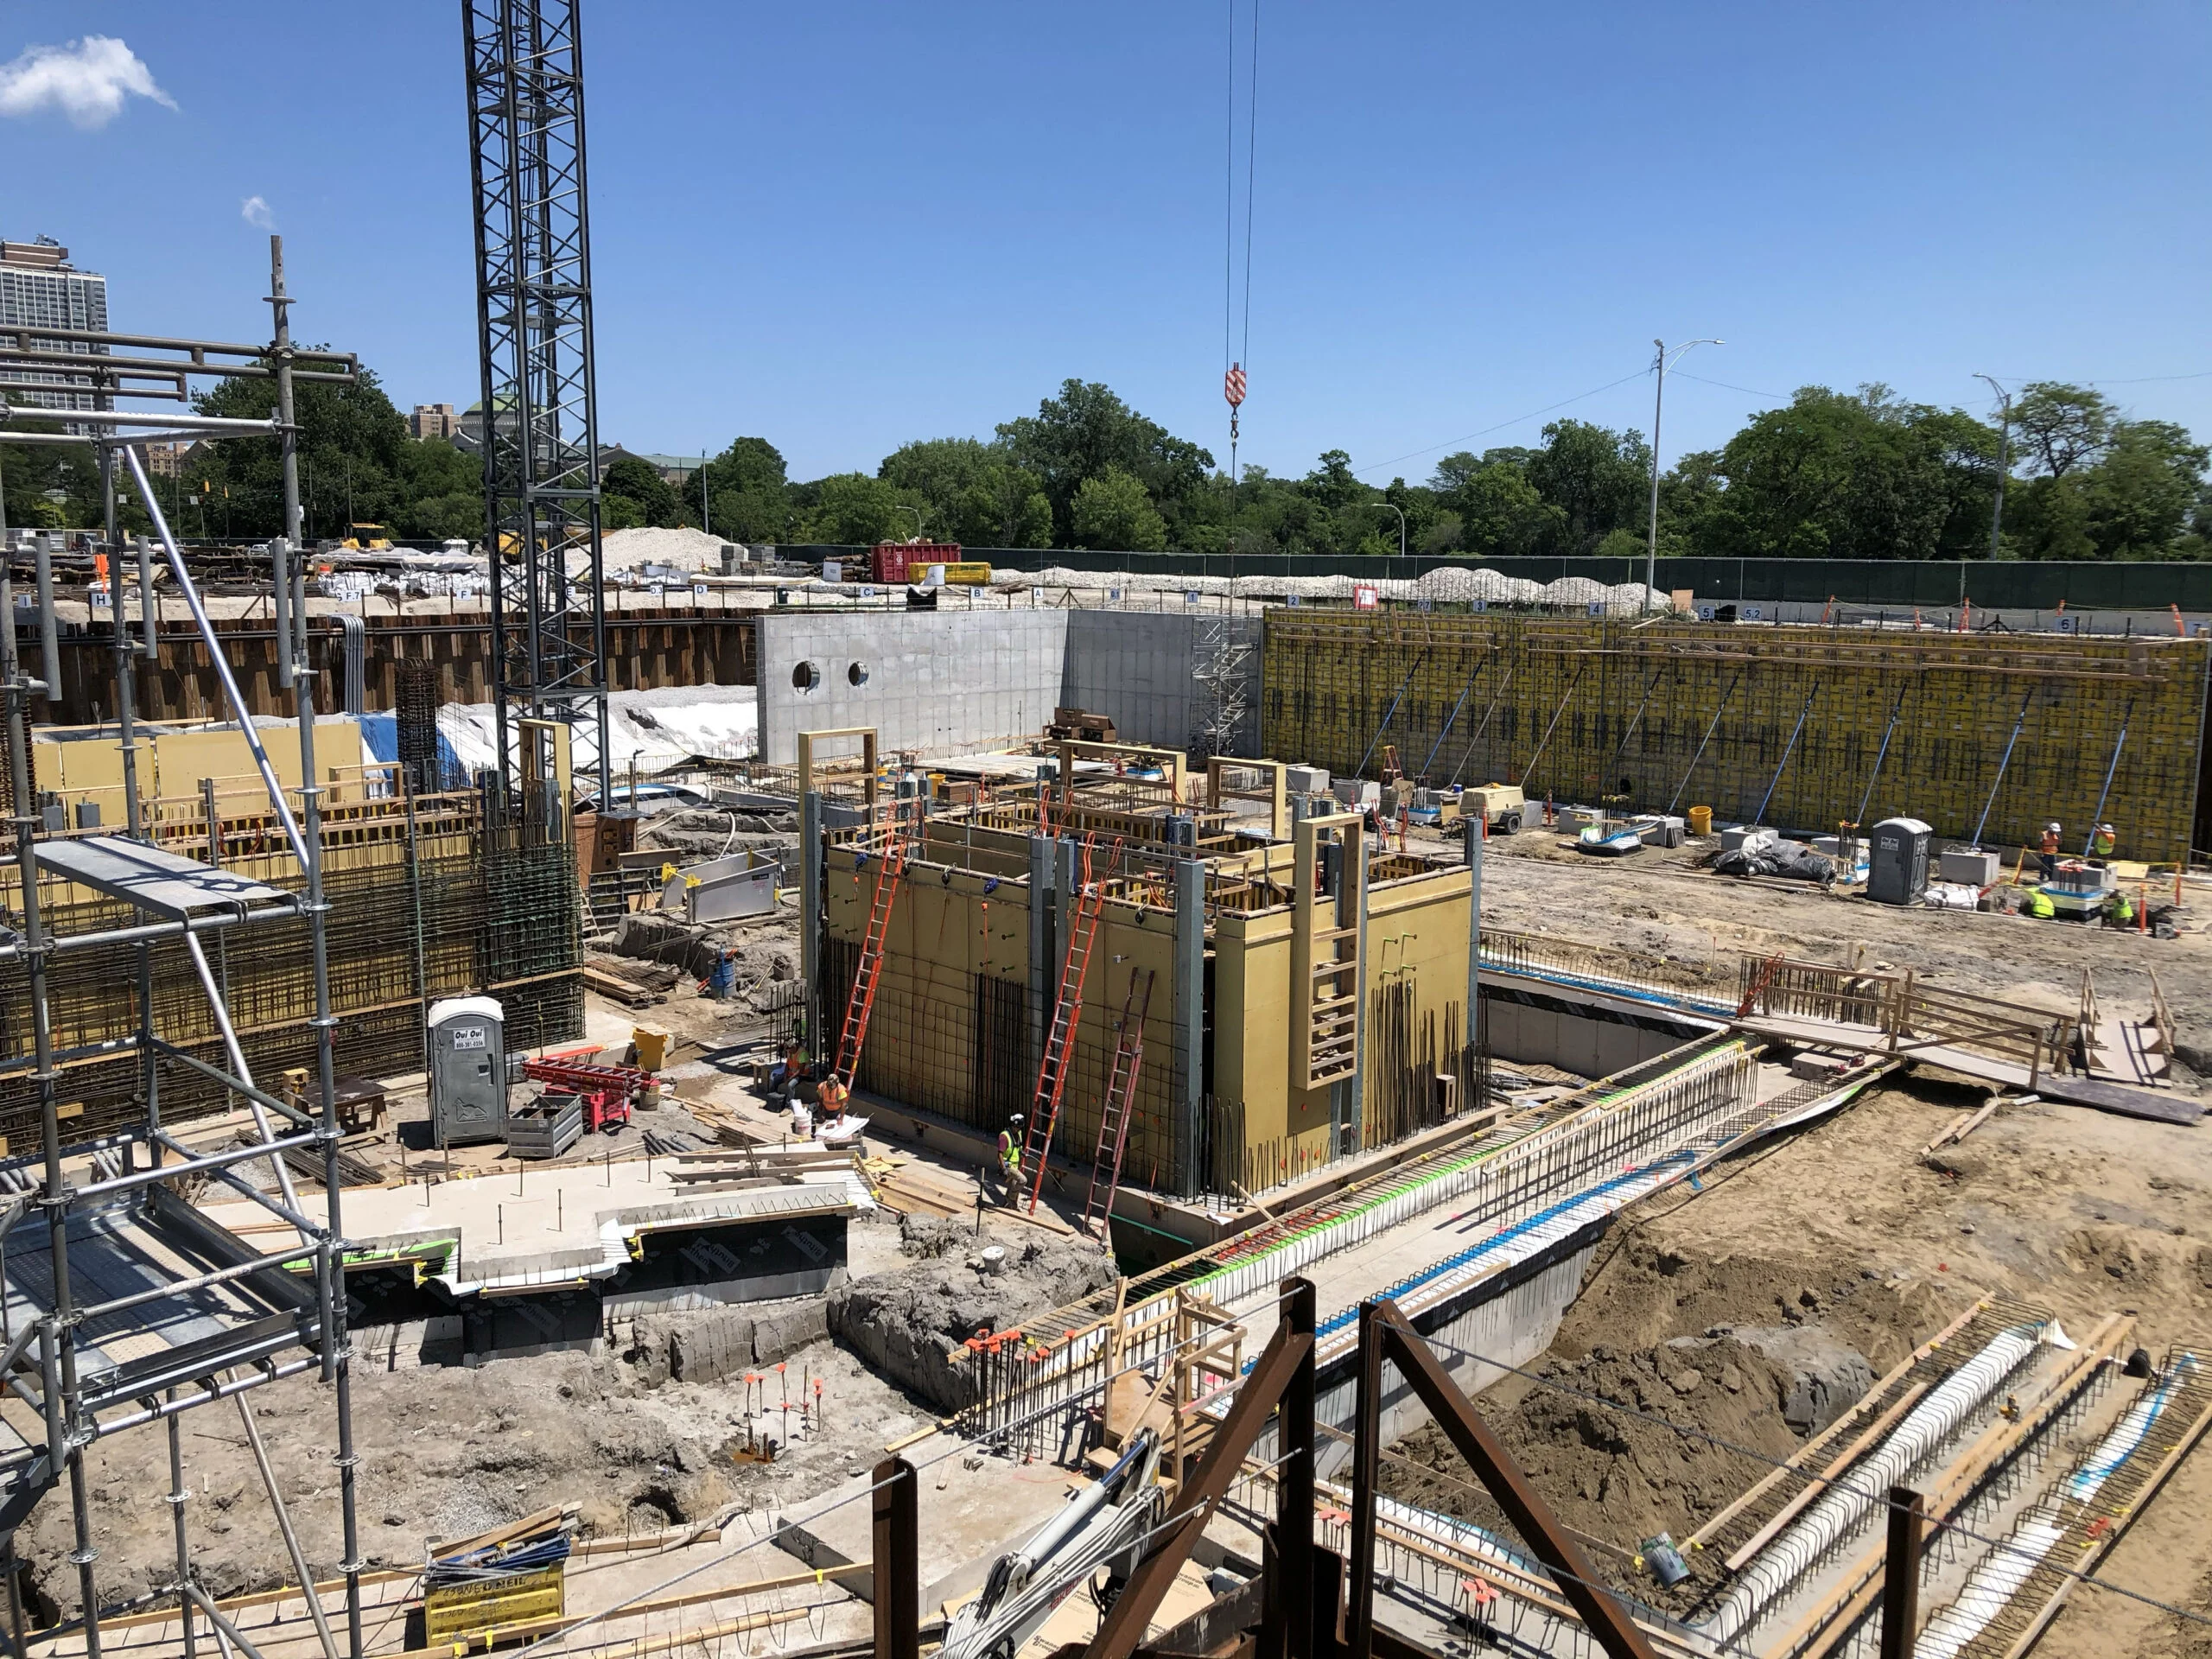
[1667, 715]
[456, 1612]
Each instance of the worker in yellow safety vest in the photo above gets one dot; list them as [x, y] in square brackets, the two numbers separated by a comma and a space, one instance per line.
[2120, 912]
[1010, 1153]
[2102, 841]
[2039, 906]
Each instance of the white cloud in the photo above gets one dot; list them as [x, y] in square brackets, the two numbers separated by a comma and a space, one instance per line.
[87, 80]
[255, 211]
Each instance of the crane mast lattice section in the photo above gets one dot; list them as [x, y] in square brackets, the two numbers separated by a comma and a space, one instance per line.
[538, 430]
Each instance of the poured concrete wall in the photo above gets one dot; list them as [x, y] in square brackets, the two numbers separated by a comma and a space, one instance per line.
[939, 683]
[1543, 1032]
[1141, 668]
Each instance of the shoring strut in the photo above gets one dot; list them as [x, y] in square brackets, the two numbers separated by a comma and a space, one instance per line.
[1982, 823]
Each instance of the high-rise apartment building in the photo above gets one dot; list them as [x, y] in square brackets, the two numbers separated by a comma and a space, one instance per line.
[434, 421]
[39, 288]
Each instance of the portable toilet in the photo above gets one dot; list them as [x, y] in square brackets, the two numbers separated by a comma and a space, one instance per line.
[468, 1071]
[1896, 868]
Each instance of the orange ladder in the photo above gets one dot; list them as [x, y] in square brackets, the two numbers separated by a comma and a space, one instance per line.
[1060, 1044]
[1120, 1100]
[863, 1001]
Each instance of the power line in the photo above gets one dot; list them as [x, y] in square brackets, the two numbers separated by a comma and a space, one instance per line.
[1410, 454]
[1749, 391]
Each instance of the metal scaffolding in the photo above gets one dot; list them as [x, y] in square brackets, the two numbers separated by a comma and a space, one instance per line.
[539, 429]
[182, 1312]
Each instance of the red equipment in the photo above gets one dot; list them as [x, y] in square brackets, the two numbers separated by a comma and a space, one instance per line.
[608, 1092]
[909, 561]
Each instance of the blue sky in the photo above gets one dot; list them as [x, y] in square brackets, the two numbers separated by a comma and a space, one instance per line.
[841, 225]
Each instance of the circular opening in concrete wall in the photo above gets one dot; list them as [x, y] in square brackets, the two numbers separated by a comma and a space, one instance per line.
[855, 674]
[805, 677]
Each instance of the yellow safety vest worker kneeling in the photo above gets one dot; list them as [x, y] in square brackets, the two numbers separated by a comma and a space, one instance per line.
[2039, 906]
[1009, 1152]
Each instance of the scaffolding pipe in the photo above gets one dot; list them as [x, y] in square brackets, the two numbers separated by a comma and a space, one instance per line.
[333, 1344]
[57, 1353]
[216, 1074]
[1723, 708]
[238, 1063]
[132, 1179]
[201, 1280]
[49, 640]
[178, 1496]
[283, 1212]
[222, 665]
[1987, 806]
[284, 1526]
[149, 646]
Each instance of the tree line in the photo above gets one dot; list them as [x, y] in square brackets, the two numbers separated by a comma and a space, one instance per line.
[1863, 475]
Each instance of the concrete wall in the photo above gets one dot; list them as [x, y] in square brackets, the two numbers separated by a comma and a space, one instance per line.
[1543, 1032]
[1139, 667]
[940, 683]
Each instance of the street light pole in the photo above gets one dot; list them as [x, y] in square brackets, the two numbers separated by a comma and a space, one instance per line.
[1400, 512]
[1658, 402]
[916, 512]
[2004, 461]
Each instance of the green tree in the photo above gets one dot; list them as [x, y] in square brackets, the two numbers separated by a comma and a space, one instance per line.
[1597, 478]
[2060, 426]
[1111, 511]
[972, 493]
[1501, 513]
[745, 489]
[442, 492]
[632, 492]
[351, 448]
[852, 509]
[1086, 432]
[2130, 494]
[1855, 476]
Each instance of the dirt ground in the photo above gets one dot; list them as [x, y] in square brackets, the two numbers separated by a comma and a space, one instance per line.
[1659, 905]
[1845, 1225]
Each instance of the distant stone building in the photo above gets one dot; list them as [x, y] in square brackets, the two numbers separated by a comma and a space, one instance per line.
[434, 421]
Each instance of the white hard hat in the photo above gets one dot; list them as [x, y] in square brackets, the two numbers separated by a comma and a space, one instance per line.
[2053, 828]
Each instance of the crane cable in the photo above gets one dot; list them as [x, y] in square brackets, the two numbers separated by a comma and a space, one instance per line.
[1233, 359]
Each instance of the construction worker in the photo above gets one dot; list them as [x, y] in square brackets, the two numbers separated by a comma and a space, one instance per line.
[2102, 841]
[2120, 912]
[1010, 1155]
[2049, 852]
[2039, 906]
[832, 1096]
